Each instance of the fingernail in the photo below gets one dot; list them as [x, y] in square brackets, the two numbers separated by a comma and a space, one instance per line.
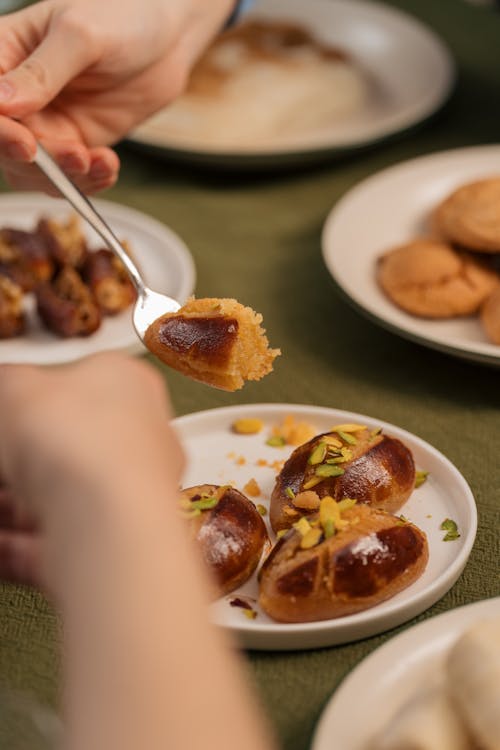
[99, 170]
[19, 152]
[6, 91]
[71, 163]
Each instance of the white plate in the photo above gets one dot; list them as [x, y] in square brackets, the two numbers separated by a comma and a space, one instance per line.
[386, 679]
[217, 456]
[410, 71]
[391, 208]
[163, 258]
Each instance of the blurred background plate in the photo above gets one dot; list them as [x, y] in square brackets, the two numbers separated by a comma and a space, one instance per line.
[385, 680]
[391, 208]
[164, 260]
[407, 67]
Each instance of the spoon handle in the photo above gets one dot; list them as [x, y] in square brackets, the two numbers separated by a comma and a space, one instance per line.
[86, 210]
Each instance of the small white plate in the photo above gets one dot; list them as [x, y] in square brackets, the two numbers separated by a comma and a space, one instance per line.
[161, 255]
[409, 68]
[390, 208]
[386, 679]
[216, 455]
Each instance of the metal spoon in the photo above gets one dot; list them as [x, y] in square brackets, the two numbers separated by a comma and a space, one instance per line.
[150, 305]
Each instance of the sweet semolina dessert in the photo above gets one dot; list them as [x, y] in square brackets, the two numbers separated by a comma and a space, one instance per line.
[219, 342]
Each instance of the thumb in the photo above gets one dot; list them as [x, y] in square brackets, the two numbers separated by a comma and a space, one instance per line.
[60, 56]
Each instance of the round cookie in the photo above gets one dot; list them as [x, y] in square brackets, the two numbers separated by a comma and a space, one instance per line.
[470, 216]
[432, 280]
[490, 316]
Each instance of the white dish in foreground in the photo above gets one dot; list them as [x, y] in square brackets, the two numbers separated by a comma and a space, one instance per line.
[375, 36]
[389, 209]
[218, 456]
[161, 255]
[386, 679]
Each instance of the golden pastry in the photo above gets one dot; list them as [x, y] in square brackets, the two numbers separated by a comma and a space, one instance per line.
[470, 216]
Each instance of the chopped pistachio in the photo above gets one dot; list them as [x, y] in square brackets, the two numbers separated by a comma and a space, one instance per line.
[349, 427]
[205, 502]
[290, 493]
[250, 613]
[276, 441]
[346, 503]
[328, 470]
[311, 539]
[451, 529]
[420, 478]
[281, 533]
[329, 528]
[332, 441]
[347, 437]
[374, 433]
[302, 526]
[247, 426]
[318, 454]
[262, 509]
[311, 483]
[403, 520]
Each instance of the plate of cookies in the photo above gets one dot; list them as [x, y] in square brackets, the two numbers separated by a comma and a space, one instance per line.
[320, 526]
[425, 259]
[295, 81]
[62, 294]
[438, 681]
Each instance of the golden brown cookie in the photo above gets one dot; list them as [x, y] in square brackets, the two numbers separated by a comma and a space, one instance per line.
[433, 280]
[470, 216]
[490, 316]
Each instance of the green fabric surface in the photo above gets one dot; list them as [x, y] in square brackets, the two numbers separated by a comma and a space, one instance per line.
[257, 238]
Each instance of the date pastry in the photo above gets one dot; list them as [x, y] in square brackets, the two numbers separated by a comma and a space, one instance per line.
[216, 341]
[343, 560]
[470, 216]
[109, 281]
[67, 306]
[24, 258]
[348, 462]
[12, 321]
[65, 240]
[229, 530]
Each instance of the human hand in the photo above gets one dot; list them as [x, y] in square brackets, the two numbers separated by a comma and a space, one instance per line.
[71, 440]
[79, 74]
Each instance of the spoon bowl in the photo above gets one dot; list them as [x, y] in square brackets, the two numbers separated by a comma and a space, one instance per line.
[150, 305]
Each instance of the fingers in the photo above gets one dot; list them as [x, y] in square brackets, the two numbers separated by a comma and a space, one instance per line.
[20, 558]
[64, 52]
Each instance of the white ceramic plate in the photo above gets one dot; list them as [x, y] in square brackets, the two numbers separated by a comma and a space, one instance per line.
[410, 73]
[165, 261]
[391, 208]
[386, 679]
[218, 456]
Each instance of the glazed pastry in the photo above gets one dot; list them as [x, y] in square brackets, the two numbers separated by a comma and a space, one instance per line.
[470, 216]
[343, 560]
[427, 721]
[229, 530]
[65, 241]
[490, 316]
[372, 468]
[433, 280]
[473, 676]
[109, 281]
[12, 322]
[67, 306]
[24, 258]
[217, 341]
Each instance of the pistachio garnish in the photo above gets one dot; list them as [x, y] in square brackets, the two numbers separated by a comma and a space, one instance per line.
[346, 503]
[451, 529]
[261, 509]
[318, 454]
[206, 502]
[375, 432]
[276, 441]
[302, 526]
[328, 470]
[311, 483]
[332, 441]
[349, 427]
[346, 437]
[311, 539]
[420, 478]
[290, 493]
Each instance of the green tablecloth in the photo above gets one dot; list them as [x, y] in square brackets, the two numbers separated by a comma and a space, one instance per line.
[257, 238]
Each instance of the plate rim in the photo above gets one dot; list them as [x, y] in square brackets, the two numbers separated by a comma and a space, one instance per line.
[111, 210]
[433, 627]
[475, 352]
[253, 634]
[325, 146]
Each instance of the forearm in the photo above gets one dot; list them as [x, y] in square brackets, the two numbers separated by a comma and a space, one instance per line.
[144, 667]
